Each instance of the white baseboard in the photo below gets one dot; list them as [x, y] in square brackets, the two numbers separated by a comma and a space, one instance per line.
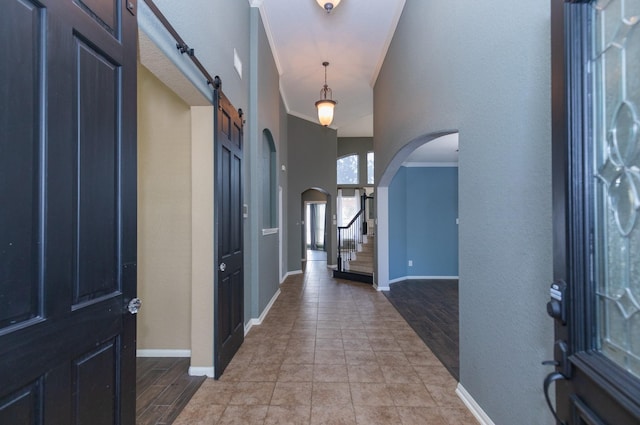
[163, 353]
[258, 321]
[403, 278]
[289, 274]
[473, 406]
[201, 371]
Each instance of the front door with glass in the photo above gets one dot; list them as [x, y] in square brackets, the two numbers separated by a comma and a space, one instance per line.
[596, 155]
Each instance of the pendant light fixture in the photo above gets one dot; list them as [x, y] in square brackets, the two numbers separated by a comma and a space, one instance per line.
[326, 104]
[328, 5]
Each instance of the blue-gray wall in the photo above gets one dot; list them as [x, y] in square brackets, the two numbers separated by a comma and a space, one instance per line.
[312, 153]
[214, 32]
[397, 226]
[484, 70]
[424, 225]
[264, 114]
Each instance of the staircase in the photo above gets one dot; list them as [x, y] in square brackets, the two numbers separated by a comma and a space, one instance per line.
[356, 249]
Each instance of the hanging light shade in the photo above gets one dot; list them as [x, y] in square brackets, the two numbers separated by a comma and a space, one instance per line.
[328, 5]
[326, 104]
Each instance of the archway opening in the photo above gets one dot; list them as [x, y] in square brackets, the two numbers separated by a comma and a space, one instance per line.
[418, 241]
[316, 241]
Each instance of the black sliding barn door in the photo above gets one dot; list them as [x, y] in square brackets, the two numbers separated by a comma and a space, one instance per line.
[68, 211]
[229, 286]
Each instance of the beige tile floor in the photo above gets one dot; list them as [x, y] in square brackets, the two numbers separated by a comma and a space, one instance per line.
[330, 352]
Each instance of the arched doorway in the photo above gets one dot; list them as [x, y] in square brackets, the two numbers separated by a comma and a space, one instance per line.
[440, 145]
[316, 219]
[418, 241]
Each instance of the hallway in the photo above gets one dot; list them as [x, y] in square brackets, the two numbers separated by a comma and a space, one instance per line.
[330, 352]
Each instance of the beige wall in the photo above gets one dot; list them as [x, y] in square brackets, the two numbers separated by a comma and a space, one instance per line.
[164, 216]
[202, 239]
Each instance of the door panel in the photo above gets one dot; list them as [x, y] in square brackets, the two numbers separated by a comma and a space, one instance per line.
[68, 226]
[20, 150]
[94, 385]
[103, 11]
[97, 145]
[229, 288]
[596, 182]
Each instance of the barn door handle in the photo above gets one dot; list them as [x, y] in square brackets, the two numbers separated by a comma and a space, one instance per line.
[552, 377]
[222, 267]
[134, 305]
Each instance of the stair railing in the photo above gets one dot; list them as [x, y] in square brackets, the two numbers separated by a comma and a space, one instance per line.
[351, 235]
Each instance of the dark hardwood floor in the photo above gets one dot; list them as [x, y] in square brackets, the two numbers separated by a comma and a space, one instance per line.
[163, 388]
[431, 308]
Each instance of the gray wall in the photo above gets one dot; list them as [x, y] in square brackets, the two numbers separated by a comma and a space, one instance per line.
[312, 153]
[262, 260]
[283, 157]
[484, 70]
[360, 146]
[214, 31]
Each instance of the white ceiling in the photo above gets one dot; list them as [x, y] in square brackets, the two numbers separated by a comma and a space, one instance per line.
[353, 38]
[443, 150]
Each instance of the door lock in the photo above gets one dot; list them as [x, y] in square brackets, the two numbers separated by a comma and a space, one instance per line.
[557, 305]
[222, 267]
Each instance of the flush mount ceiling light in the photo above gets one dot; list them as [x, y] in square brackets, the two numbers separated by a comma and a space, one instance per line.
[328, 5]
[325, 105]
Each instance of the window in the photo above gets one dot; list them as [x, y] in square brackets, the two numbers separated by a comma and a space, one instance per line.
[268, 172]
[369, 167]
[348, 205]
[348, 169]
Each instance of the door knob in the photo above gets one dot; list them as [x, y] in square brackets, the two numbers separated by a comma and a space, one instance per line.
[223, 267]
[134, 305]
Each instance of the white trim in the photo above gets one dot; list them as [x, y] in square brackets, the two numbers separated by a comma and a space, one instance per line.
[162, 353]
[258, 321]
[201, 371]
[249, 325]
[429, 164]
[473, 406]
[271, 231]
[400, 279]
[287, 274]
[280, 242]
[383, 53]
[382, 233]
[267, 29]
[291, 273]
[381, 288]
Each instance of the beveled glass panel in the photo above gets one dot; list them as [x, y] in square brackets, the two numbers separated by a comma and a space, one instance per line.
[616, 57]
[611, 62]
[632, 64]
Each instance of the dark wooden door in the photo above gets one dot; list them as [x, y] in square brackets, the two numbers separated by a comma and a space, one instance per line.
[229, 285]
[68, 212]
[596, 167]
